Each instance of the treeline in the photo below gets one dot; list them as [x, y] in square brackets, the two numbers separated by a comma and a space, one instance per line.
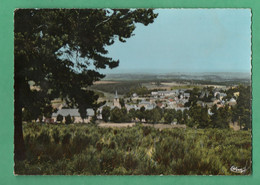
[140, 91]
[139, 150]
[121, 87]
[196, 116]
[127, 88]
[156, 115]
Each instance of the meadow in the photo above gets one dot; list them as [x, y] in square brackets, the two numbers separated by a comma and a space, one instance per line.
[87, 149]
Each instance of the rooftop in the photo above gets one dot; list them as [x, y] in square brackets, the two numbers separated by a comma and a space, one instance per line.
[72, 112]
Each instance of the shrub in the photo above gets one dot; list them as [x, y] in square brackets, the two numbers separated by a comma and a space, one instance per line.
[66, 139]
[56, 136]
[59, 118]
[43, 138]
[68, 120]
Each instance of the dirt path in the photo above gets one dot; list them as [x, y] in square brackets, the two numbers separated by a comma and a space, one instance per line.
[118, 125]
[163, 126]
[124, 125]
[158, 126]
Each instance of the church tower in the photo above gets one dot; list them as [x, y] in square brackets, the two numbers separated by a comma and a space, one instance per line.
[116, 101]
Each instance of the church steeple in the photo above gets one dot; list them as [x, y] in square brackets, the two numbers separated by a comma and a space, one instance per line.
[116, 96]
[116, 101]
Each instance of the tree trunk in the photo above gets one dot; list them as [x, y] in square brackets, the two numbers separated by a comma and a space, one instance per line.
[19, 148]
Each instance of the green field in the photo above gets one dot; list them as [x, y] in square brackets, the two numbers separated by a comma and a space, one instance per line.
[87, 149]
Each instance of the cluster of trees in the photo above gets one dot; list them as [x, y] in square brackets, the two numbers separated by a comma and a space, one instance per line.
[116, 114]
[140, 91]
[197, 116]
[68, 119]
[243, 110]
[154, 115]
[195, 95]
[122, 87]
[219, 118]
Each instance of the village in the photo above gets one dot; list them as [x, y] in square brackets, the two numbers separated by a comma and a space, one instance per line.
[177, 99]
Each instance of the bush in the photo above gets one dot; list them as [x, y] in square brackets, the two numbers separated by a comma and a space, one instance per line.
[59, 118]
[68, 120]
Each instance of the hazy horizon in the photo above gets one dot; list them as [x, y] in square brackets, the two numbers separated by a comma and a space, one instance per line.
[188, 75]
[141, 71]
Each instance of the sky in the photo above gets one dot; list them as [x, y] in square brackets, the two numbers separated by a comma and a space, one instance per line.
[187, 40]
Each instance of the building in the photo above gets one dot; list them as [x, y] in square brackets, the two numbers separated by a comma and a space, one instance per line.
[154, 93]
[220, 95]
[236, 94]
[116, 101]
[186, 95]
[74, 113]
[135, 95]
[232, 102]
[143, 103]
[129, 107]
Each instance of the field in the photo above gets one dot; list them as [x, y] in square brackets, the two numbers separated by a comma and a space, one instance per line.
[85, 149]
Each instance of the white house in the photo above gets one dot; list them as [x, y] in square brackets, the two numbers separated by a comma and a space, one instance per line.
[73, 113]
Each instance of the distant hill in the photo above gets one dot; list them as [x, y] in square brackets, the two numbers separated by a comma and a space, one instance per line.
[212, 77]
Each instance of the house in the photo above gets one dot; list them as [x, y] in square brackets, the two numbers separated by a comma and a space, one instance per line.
[167, 93]
[181, 91]
[186, 95]
[74, 113]
[154, 93]
[209, 112]
[222, 95]
[202, 95]
[216, 90]
[232, 102]
[150, 106]
[57, 106]
[129, 107]
[144, 103]
[236, 94]
[134, 95]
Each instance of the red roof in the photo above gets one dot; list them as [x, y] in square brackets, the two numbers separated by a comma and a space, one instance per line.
[159, 104]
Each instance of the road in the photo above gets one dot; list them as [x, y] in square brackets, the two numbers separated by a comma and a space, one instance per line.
[124, 125]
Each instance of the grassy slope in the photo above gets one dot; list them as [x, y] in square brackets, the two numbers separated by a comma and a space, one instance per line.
[88, 150]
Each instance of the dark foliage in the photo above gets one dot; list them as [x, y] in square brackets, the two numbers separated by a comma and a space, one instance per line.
[53, 51]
